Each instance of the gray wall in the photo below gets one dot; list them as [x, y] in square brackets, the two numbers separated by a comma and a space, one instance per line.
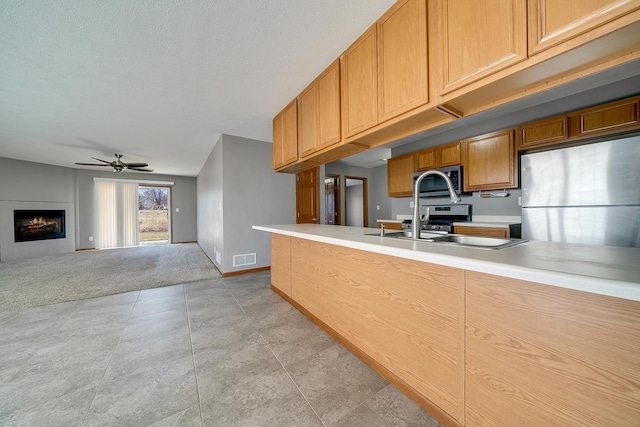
[183, 196]
[28, 185]
[507, 206]
[354, 199]
[377, 189]
[378, 196]
[209, 193]
[237, 188]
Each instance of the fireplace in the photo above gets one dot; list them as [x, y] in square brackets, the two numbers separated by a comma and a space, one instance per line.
[32, 225]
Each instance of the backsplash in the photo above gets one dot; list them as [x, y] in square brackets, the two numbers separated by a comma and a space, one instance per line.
[498, 206]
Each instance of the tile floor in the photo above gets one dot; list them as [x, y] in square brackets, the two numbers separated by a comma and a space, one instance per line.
[224, 352]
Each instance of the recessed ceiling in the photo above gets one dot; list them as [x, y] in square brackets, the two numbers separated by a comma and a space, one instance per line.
[159, 81]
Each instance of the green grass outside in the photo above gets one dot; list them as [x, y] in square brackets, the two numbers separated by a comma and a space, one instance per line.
[154, 225]
[153, 236]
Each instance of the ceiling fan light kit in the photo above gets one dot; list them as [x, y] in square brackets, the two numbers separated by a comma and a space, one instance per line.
[118, 165]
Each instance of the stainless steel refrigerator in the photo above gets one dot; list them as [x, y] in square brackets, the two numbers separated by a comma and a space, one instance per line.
[588, 194]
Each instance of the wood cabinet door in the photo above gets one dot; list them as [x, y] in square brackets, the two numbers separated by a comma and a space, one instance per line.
[543, 132]
[408, 316]
[478, 38]
[448, 155]
[278, 140]
[539, 355]
[281, 263]
[359, 84]
[552, 22]
[402, 59]
[609, 118]
[328, 96]
[285, 136]
[425, 160]
[308, 121]
[438, 157]
[400, 175]
[490, 162]
[290, 146]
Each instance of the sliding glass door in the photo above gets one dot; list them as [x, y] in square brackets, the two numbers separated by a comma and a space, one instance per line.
[117, 214]
[154, 209]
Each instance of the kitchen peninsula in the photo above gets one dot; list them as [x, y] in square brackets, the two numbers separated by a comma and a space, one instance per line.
[534, 334]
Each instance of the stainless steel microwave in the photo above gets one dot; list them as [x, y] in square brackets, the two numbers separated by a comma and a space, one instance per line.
[435, 186]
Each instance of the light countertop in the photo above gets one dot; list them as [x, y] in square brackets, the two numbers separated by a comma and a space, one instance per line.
[604, 270]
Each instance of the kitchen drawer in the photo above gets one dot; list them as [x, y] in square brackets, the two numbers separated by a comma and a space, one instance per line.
[509, 231]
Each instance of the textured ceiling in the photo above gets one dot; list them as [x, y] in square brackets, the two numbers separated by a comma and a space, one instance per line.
[159, 80]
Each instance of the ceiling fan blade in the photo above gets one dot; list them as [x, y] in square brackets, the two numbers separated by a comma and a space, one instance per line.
[100, 160]
[137, 165]
[140, 170]
[92, 164]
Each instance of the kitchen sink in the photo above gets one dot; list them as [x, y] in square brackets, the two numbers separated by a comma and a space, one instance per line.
[457, 239]
[477, 241]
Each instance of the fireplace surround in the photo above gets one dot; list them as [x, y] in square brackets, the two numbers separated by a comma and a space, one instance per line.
[31, 225]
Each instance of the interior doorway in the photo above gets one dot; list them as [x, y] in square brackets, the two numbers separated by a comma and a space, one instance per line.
[332, 199]
[307, 198]
[356, 201]
[154, 208]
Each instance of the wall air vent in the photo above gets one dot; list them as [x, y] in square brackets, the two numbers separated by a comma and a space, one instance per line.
[244, 259]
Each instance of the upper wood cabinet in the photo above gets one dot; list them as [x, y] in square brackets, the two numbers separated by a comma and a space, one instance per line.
[285, 136]
[553, 22]
[425, 63]
[490, 162]
[329, 117]
[402, 59]
[319, 112]
[425, 159]
[609, 118]
[385, 72]
[438, 157]
[477, 38]
[400, 175]
[543, 132]
[308, 121]
[448, 155]
[359, 84]
[614, 117]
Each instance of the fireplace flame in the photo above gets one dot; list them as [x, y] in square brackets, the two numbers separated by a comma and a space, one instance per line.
[40, 225]
[38, 222]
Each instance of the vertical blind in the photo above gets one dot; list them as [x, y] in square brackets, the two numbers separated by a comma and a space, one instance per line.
[117, 214]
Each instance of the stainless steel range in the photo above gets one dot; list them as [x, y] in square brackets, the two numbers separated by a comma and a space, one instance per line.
[442, 217]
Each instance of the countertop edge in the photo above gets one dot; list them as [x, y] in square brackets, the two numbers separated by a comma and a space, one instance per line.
[585, 283]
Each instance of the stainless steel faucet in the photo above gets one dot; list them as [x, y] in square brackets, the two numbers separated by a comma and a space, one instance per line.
[416, 222]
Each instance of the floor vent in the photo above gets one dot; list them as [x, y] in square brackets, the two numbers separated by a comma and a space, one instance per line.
[245, 259]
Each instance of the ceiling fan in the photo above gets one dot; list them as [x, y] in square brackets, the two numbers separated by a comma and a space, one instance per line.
[118, 165]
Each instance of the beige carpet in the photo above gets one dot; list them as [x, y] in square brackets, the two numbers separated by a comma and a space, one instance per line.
[88, 274]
